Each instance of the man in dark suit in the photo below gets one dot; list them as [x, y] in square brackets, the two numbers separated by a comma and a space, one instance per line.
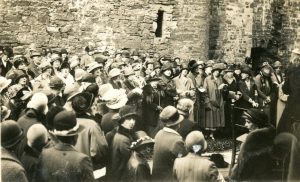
[168, 145]
[5, 64]
[62, 162]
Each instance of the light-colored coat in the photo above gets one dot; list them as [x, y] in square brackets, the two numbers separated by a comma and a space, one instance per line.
[92, 142]
[194, 168]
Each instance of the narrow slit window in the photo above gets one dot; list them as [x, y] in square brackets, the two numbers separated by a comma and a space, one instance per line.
[159, 21]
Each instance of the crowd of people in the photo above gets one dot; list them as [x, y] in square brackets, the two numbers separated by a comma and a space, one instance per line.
[105, 114]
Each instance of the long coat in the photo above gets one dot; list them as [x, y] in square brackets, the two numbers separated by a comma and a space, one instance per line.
[63, 163]
[194, 168]
[92, 142]
[255, 161]
[11, 168]
[30, 159]
[168, 146]
[120, 153]
[167, 91]
[291, 87]
[214, 115]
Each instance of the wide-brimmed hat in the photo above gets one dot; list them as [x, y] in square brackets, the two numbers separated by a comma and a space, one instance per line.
[114, 72]
[45, 65]
[103, 89]
[209, 63]
[39, 102]
[266, 71]
[125, 112]
[65, 124]
[4, 83]
[79, 74]
[170, 116]
[71, 90]
[115, 98]
[5, 113]
[195, 142]
[88, 77]
[93, 66]
[296, 51]
[82, 102]
[184, 106]
[257, 117]
[142, 139]
[230, 68]
[11, 133]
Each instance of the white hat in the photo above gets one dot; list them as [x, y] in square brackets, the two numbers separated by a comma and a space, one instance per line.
[37, 136]
[39, 102]
[114, 72]
[92, 66]
[115, 98]
[79, 74]
[296, 51]
[103, 89]
[4, 83]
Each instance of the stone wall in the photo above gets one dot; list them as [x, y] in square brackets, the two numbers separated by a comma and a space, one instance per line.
[110, 24]
[205, 29]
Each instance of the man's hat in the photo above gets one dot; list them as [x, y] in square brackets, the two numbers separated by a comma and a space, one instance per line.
[192, 64]
[167, 66]
[11, 133]
[65, 124]
[125, 112]
[195, 142]
[39, 102]
[170, 116]
[56, 83]
[64, 51]
[71, 90]
[114, 72]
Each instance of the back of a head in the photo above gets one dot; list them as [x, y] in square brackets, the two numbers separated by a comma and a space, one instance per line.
[37, 136]
[39, 102]
[195, 142]
[11, 134]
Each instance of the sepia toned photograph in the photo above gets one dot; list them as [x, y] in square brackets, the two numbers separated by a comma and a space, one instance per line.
[150, 90]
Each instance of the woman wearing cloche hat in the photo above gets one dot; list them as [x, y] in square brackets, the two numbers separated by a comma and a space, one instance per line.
[193, 167]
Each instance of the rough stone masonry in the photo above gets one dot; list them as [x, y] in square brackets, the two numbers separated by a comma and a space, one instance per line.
[205, 29]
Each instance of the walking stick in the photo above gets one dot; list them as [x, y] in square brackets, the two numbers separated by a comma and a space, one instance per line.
[233, 152]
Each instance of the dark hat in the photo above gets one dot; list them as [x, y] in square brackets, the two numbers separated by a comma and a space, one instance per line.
[218, 159]
[93, 89]
[246, 69]
[65, 124]
[71, 90]
[167, 66]
[167, 58]
[230, 68]
[18, 74]
[63, 51]
[170, 116]
[192, 64]
[56, 83]
[82, 102]
[19, 61]
[65, 65]
[11, 133]
[152, 79]
[142, 139]
[88, 77]
[125, 112]
[101, 59]
[257, 117]
[156, 65]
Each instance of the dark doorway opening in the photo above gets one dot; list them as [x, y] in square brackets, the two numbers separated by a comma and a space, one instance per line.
[159, 21]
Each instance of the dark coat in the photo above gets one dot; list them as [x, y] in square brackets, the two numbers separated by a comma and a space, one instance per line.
[137, 170]
[30, 159]
[26, 121]
[168, 146]
[167, 91]
[255, 160]
[5, 69]
[120, 153]
[291, 87]
[11, 168]
[186, 126]
[63, 163]
[247, 94]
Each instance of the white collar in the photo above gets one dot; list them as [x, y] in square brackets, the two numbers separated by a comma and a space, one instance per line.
[170, 130]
